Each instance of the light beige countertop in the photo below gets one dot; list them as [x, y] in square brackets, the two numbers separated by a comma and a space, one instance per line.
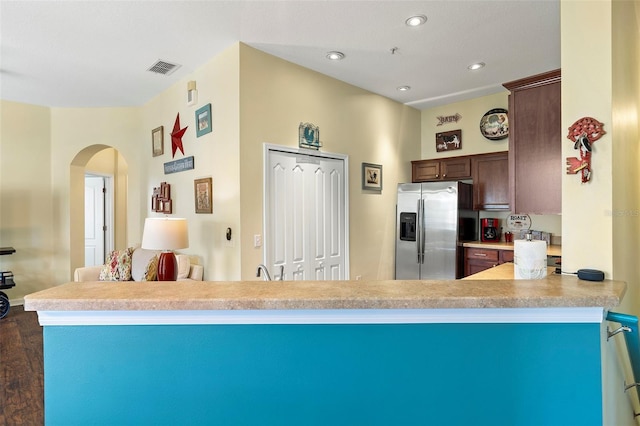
[553, 291]
[503, 271]
[552, 250]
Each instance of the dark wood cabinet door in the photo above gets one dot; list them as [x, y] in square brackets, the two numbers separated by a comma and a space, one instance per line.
[479, 259]
[506, 256]
[425, 170]
[535, 144]
[491, 181]
[474, 266]
[456, 168]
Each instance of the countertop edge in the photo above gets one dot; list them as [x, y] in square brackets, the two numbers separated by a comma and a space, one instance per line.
[554, 291]
[552, 250]
[325, 316]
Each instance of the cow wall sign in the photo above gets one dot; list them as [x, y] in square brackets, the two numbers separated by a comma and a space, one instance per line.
[449, 141]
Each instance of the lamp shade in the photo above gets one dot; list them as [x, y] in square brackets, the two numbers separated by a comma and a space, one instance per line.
[165, 233]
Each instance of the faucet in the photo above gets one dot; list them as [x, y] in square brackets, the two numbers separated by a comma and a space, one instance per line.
[267, 277]
[263, 268]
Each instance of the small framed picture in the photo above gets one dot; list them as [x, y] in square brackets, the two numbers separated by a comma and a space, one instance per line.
[203, 192]
[203, 120]
[448, 141]
[372, 177]
[157, 141]
[165, 190]
[166, 207]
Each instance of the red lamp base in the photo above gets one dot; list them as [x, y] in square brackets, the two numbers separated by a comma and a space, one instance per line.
[167, 266]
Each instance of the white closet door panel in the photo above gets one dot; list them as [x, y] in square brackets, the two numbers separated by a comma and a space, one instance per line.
[336, 209]
[279, 205]
[317, 214]
[306, 217]
[333, 210]
[299, 209]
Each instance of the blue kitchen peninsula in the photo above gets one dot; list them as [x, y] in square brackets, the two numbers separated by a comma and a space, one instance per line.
[480, 352]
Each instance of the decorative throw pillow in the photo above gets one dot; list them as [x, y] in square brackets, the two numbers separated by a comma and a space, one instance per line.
[140, 260]
[184, 265]
[151, 271]
[118, 266]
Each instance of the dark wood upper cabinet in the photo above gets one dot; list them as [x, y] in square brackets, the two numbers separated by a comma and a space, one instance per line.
[535, 144]
[453, 168]
[490, 181]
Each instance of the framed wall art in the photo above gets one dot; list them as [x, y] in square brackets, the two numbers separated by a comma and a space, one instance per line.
[203, 193]
[448, 141]
[157, 141]
[203, 120]
[161, 199]
[372, 177]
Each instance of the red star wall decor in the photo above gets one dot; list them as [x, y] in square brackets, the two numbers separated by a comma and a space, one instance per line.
[176, 137]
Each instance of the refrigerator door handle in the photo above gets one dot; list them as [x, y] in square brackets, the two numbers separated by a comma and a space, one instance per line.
[419, 232]
[423, 230]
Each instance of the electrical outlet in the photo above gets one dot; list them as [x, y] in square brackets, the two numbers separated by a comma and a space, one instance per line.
[358, 277]
[257, 240]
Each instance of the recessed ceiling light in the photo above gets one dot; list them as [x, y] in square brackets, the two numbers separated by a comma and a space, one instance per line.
[335, 56]
[476, 66]
[416, 20]
[404, 88]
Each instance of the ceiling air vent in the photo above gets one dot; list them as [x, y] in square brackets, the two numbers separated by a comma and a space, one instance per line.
[163, 67]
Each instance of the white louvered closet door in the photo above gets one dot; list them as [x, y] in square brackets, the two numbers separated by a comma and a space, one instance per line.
[305, 222]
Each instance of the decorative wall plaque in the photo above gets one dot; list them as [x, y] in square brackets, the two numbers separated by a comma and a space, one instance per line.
[161, 199]
[583, 133]
[309, 136]
[494, 125]
[448, 119]
[175, 166]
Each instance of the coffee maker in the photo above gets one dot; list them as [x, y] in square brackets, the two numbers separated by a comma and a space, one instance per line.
[489, 230]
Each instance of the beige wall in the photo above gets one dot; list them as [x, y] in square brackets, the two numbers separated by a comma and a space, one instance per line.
[625, 126]
[586, 91]
[77, 135]
[605, 87]
[27, 203]
[216, 155]
[275, 97]
[472, 140]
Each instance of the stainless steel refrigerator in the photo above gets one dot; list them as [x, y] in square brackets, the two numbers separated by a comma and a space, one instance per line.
[433, 219]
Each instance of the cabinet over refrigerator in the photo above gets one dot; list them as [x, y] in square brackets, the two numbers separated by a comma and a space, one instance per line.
[433, 219]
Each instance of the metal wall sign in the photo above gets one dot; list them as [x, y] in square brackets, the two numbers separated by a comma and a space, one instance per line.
[448, 119]
[180, 165]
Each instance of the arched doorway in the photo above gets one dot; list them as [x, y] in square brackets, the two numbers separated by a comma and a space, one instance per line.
[106, 160]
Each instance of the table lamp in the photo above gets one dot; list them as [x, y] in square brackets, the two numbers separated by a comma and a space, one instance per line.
[165, 234]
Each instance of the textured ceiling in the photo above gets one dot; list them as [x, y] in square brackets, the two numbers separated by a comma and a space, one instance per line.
[96, 53]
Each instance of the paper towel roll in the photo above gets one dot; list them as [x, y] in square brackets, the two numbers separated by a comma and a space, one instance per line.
[530, 260]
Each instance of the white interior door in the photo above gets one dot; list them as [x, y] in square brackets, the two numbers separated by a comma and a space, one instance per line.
[306, 216]
[94, 220]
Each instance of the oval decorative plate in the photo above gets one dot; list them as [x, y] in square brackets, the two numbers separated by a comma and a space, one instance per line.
[494, 125]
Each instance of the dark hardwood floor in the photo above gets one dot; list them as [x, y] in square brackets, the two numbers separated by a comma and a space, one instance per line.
[21, 369]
